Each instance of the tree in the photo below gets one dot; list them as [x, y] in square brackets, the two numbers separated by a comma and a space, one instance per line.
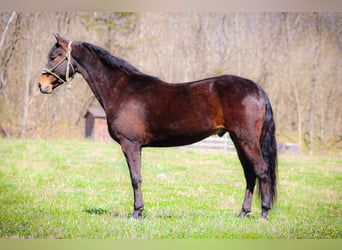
[8, 52]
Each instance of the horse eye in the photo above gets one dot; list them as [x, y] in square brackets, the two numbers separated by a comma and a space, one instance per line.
[54, 56]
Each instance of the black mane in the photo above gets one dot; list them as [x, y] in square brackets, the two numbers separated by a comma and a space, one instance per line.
[112, 61]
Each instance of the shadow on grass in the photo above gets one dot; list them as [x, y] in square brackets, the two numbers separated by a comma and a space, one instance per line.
[233, 216]
[146, 216]
[97, 211]
[101, 211]
[249, 217]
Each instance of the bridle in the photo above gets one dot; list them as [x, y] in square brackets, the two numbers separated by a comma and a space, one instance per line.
[67, 58]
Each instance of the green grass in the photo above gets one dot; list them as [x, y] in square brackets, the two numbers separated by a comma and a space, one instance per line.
[81, 189]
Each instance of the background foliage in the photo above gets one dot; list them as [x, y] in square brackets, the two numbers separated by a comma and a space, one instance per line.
[296, 57]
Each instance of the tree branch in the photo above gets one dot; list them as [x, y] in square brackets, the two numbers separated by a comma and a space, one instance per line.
[10, 20]
[6, 29]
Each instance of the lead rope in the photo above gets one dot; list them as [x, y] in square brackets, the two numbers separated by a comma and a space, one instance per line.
[69, 79]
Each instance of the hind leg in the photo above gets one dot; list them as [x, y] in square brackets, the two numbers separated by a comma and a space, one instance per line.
[254, 167]
[247, 202]
[249, 176]
[253, 153]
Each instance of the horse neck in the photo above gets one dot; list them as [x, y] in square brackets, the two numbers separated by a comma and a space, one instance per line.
[101, 80]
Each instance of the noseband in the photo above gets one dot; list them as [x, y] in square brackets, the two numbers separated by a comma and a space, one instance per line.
[67, 58]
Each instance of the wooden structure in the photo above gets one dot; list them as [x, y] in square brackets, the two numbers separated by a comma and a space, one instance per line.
[96, 127]
[213, 143]
[291, 148]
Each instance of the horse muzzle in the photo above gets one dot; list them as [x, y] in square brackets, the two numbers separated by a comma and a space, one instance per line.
[46, 84]
[45, 89]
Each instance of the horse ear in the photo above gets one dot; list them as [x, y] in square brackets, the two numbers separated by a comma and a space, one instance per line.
[60, 40]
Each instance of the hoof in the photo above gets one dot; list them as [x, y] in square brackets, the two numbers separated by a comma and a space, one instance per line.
[140, 218]
[136, 216]
[264, 220]
[243, 214]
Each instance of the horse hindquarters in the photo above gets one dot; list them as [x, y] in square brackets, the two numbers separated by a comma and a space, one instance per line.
[248, 118]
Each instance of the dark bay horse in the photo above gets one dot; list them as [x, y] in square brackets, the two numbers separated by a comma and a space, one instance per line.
[144, 111]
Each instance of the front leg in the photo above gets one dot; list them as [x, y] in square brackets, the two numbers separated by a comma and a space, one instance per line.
[132, 153]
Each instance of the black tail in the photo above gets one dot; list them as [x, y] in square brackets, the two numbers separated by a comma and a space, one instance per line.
[269, 148]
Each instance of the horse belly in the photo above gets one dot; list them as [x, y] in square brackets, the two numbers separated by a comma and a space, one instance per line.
[174, 142]
[177, 140]
[184, 128]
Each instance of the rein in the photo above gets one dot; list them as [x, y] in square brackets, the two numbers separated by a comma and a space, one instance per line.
[67, 57]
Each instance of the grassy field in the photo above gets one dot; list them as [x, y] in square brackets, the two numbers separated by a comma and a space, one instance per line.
[81, 189]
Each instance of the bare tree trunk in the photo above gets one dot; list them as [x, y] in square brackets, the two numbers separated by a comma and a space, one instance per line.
[314, 81]
[237, 42]
[2, 77]
[27, 83]
[288, 37]
[10, 20]
[333, 117]
[312, 113]
[322, 121]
